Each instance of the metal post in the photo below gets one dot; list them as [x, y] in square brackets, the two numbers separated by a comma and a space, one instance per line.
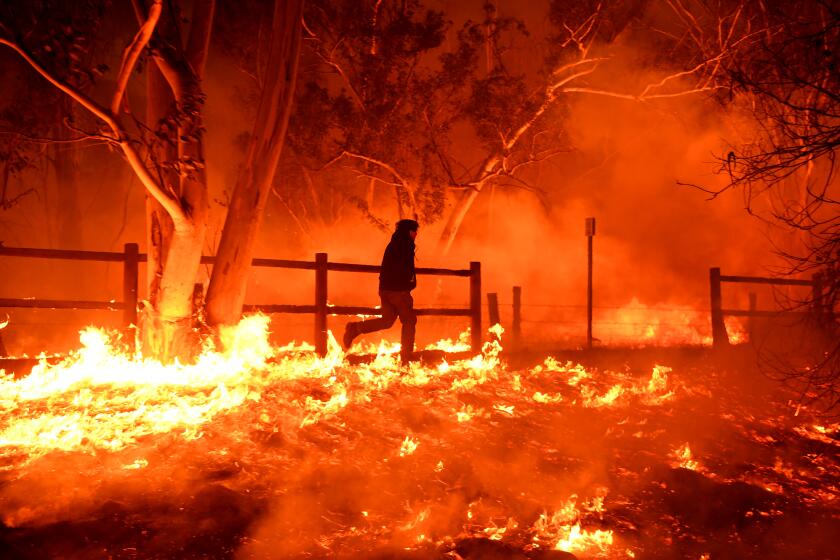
[475, 306]
[516, 329]
[719, 336]
[751, 324]
[321, 303]
[590, 233]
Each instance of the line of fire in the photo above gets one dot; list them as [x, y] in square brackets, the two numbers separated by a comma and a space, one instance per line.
[419, 279]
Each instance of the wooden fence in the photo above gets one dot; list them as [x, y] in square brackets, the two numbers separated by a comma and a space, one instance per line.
[131, 257]
[720, 337]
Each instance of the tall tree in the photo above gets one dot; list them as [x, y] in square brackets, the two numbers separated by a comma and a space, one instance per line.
[177, 216]
[226, 292]
[366, 88]
[170, 292]
[518, 115]
[438, 122]
[172, 168]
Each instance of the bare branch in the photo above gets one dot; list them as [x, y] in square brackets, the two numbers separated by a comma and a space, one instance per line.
[372, 160]
[171, 206]
[132, 53]
[198, 42]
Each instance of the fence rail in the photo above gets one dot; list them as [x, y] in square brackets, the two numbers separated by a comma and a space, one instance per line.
[320, 308]
[720, 337]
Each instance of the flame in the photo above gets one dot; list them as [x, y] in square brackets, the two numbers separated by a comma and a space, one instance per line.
[683, 459]
[99, 398]
[542, 398]
[590, 392]
[408, 446]
[639, 324]
[562, 530]
[107, 405]
[468, 412]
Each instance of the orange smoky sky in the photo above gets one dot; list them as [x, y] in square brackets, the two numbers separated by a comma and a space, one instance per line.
[655, 242]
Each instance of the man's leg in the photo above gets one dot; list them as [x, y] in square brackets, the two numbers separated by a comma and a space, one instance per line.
[389, 315]
[404, 305]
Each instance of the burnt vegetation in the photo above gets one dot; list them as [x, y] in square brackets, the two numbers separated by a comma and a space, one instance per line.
[372, 111]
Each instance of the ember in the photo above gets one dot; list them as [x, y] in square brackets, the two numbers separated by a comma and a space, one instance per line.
[310, 455]
[644, 194]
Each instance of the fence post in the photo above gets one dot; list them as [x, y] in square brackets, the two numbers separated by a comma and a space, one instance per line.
[493, 311]
[516, 328]
[719, 337]
[198, 303]
[590, 233]
[130, 281]
[321, 303]
[475, 305]
[817, 296]
[752, 317]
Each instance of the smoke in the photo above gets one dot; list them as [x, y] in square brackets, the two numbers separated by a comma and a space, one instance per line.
[655, 239]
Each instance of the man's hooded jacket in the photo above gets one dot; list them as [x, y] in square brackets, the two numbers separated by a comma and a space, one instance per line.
[397, 272]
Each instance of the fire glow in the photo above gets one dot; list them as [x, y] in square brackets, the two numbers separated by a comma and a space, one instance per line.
[446, 426]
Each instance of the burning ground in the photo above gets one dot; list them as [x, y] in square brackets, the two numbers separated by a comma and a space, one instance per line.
[261, 452]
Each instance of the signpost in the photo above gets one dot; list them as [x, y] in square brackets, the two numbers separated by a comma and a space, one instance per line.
[590, 233]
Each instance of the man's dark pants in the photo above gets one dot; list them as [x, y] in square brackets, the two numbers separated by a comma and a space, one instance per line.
[394, 304]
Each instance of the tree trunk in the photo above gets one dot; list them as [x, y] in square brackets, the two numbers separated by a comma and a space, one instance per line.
[175, 247]
[464, 203]
[226, 293]
[177, 231]
[456, 218]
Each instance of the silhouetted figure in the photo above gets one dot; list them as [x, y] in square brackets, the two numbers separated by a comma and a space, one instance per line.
[396, 280]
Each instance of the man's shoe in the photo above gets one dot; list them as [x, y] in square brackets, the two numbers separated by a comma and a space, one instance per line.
[349, 335]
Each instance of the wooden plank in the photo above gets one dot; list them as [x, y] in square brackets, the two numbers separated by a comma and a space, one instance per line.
[284, 263]
[103, 256]
[269, 263]
[278, 308]
[748, 313]
[361, 310]
[762, 280]
[31, 303]
[444, 271]
[107, 256]
[350, 267]
[445, 312]
[372, 268]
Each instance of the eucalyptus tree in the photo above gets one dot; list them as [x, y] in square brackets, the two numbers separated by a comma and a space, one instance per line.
[165, 151]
